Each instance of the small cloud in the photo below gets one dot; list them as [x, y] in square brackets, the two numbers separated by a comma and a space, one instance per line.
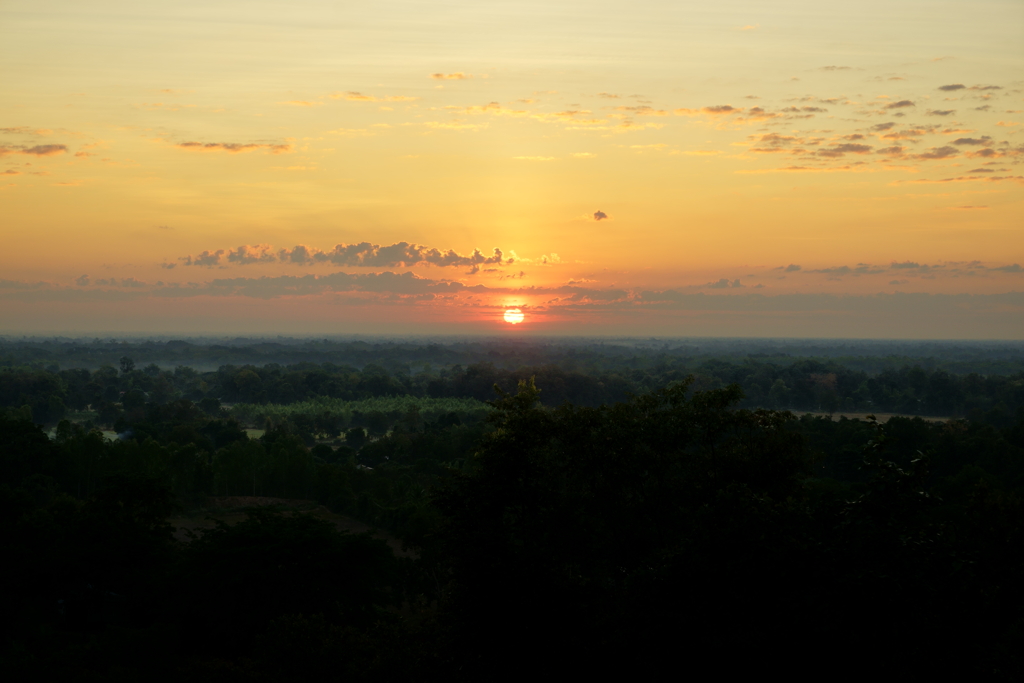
[535, 158]
[900, 105]
[835, 68]
[983, 140]
[583, 155]
[724, 283]
[457, 76]
[845, 148]
[968, 208]
[941, 112]
[945, 152]
[608, 95]
[232, 147]
[45, 150]
[904, 265]
[164, 227]
[1014, 268]
[1004, 124]
[748, 27]
[82, 280]
[898, 282]
[717, 110]
[600, 216]
[952, 87]
[302, 103]
[207, 258]
[35, 150]
[792, 268]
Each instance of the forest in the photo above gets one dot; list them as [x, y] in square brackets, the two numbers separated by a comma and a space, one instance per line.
[579, 506]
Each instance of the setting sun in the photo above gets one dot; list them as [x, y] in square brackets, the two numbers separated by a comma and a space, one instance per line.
[514, 316]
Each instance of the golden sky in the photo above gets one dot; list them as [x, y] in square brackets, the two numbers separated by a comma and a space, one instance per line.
[738, 168]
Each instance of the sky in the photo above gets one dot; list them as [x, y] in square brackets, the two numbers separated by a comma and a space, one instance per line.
[736, 168]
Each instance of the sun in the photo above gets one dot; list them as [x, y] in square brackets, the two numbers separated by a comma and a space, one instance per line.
[514, 316]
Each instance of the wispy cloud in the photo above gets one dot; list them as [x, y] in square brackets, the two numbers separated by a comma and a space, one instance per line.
[234, 147]
[34, 150]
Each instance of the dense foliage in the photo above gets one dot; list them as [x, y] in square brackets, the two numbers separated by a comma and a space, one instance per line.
[688, 523]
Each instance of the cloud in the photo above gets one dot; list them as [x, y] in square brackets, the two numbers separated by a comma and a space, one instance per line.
[904, 265]
[600, 215]
[724, 283]
[941, 112]
[246, 254]
[716, 110]
[206, 259]
[127, 283]
[952, 87]
[457, 76]
[232, 147]
[363, 254]
[82, 280]
[911, 134]
[353, 96]
[983, 140]
[835, 68]
[900, 105]
[643, 110]
[837, 270]
[843, 149]
[792, 268]
[945, 152]
[35, 150]
[880, 127]
[535, 158]
[720, 109]
[961, 179]
[387, 282]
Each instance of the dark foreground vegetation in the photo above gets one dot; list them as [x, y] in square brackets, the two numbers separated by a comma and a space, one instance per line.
[688, 527]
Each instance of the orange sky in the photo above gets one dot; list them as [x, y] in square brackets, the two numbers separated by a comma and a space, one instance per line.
[658, 168]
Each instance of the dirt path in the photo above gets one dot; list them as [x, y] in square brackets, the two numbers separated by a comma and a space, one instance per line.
[231, 510]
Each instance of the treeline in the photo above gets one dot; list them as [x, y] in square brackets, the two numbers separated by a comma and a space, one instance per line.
[677, 524]
[803, 385]
[588, 356]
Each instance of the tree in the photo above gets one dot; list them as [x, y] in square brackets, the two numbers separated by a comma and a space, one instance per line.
[583, 530]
